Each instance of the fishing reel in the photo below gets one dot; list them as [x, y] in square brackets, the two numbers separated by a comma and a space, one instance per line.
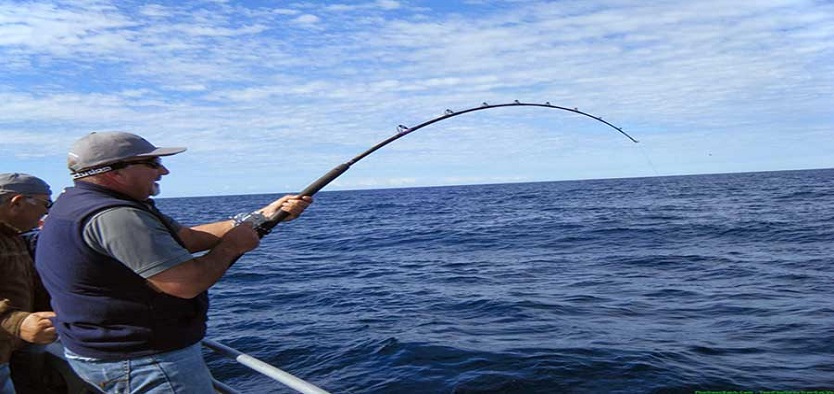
[254, 218]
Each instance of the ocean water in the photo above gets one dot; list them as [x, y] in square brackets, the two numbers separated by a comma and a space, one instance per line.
[666, 284]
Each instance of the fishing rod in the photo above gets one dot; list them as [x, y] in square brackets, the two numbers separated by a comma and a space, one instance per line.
[267, 226]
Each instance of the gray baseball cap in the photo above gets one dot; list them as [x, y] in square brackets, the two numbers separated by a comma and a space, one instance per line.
[99, 149]
[23, 184]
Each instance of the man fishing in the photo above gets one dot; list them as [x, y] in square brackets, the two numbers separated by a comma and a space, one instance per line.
[131, 298]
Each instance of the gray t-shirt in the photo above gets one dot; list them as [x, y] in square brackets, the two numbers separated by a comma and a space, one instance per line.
[136, 238]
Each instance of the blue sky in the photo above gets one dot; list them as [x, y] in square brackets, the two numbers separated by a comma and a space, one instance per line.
[269, 95]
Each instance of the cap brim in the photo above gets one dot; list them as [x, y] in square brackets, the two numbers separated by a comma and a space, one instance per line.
[162, 152]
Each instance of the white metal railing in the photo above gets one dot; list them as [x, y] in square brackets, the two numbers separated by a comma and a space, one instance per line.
[264, 368]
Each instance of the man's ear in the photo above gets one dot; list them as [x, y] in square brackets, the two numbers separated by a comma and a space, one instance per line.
[15, 204]
[115, 177]
[17, 200]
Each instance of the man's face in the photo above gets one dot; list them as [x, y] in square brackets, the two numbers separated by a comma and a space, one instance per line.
[24, 211]
[141, 178]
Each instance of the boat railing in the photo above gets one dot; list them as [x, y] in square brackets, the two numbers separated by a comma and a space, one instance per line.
[261, 367]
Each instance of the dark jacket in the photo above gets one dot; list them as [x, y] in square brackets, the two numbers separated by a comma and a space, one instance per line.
[105, 310]
[20, 290]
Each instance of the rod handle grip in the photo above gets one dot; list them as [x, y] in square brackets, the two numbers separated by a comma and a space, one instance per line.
[266, 227]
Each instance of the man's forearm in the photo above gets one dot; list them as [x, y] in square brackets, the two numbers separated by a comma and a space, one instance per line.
[189, 279]
[204, 236]
[10, 319]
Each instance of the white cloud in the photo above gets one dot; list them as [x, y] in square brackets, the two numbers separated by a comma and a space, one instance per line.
[155, 11]
[307, 19]
[284, 11]
[388, 4]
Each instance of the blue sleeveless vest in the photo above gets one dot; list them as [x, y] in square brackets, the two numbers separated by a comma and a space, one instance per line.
[104, 309]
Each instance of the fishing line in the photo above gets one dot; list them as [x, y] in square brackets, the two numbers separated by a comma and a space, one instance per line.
[266, 227]
[656, 173]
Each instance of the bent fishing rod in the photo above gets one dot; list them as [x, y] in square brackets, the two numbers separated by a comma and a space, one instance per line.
[267, 226]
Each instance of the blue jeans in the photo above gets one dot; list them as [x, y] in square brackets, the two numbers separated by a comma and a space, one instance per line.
[177, 371]
[6, 386]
